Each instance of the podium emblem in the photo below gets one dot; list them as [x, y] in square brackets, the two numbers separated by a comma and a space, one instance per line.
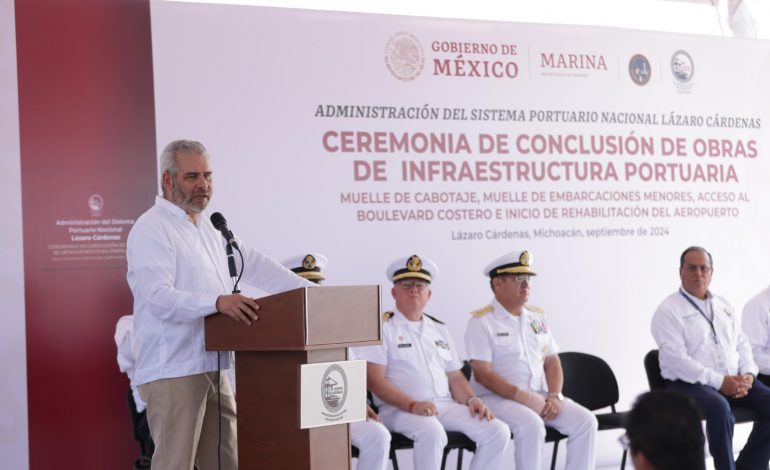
[332, 393]
[334, 389]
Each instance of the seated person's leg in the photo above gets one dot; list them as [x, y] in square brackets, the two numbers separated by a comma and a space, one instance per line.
[527, 428]
[491, 436]
[581, 426]
[720, 420]
[756, 452]
[373, 442]
[426, 431]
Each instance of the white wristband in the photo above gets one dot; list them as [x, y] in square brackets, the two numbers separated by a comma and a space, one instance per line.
[470, 398]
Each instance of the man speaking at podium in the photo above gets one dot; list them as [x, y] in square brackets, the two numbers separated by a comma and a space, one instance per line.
[178, 273]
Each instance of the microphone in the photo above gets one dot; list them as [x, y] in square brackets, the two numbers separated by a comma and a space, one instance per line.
[219, 222]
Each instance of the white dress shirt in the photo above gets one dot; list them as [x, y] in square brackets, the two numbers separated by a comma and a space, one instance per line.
[176, 271]
[688, 349]
[756, 326]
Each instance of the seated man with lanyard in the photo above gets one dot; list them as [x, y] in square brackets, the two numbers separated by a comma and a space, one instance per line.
[705, 355]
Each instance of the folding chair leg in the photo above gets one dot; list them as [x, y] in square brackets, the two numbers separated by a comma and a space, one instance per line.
[459, 459]
[553, 459]
[393, 458]
[623, 461]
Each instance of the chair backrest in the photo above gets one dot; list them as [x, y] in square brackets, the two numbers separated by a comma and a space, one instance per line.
[466, 370]
[370, 401]
[652, 368]
[589, 380]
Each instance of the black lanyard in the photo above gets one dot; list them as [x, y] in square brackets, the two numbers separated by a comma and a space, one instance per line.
[703, 314]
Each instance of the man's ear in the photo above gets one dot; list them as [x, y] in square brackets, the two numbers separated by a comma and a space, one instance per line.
[167, 182]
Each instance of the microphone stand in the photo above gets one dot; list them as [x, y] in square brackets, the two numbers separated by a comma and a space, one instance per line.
[235, 278]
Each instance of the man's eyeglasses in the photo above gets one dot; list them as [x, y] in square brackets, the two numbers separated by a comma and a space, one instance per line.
[409, 285]
[519, 278]
[694, 268]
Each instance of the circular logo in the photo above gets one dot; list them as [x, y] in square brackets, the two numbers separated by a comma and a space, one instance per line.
[334, 388]
[404, 57]
[95, 204]
[639, 69]
[682, 66]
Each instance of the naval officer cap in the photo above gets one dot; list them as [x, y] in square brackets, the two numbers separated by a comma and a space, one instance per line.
[412, 267]
[516, 262]
[309, 266]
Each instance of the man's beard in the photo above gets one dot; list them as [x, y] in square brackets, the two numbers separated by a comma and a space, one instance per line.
[186, 203]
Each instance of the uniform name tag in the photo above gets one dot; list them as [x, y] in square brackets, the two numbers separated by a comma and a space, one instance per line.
[504, 333]
[405, 345]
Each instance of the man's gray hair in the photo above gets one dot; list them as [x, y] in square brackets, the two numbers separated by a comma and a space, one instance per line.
[168, 163]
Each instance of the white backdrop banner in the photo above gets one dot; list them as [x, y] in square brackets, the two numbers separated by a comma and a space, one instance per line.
[604, 152]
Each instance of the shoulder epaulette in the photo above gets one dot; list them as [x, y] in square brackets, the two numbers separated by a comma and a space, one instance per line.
[534, 308]
[434, 319]
[387, 316]
[483, 311]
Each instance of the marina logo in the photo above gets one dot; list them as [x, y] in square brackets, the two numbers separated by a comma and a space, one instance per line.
[571, 65]
[404, 56]
[639, 69]
[572, 61]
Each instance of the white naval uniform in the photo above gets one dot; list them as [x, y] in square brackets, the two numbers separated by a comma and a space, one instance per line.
[517, 347]
[417, 357]
[756, 326]
[373, 442]
[685, 339]
[371, 438]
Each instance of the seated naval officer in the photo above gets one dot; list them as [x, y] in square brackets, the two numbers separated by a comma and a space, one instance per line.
[517, 371]
[416, 377]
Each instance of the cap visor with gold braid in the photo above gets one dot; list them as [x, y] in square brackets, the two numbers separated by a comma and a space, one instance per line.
[412, 267]
[308, 266]
[511, 263]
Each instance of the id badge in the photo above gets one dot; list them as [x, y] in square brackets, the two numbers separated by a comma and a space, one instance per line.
[719, 358]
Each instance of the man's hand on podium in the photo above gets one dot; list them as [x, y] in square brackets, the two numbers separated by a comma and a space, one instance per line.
[238, 307]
